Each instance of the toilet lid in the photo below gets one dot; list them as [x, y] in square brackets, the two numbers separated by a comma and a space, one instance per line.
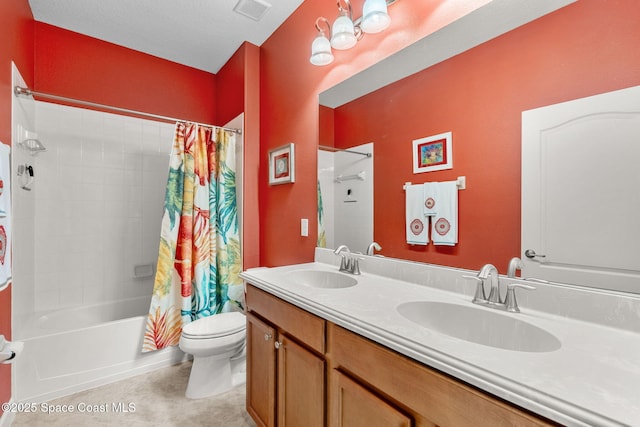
[216, 326]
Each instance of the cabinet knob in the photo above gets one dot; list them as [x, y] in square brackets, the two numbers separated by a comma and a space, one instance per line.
[278, 344]
[267, 337]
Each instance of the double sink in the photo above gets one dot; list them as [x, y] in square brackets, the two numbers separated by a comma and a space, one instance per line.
[476, 324]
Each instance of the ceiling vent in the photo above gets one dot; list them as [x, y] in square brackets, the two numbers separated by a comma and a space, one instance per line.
[254, 9]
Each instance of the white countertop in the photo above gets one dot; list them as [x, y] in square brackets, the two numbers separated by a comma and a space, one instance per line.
[592, 380]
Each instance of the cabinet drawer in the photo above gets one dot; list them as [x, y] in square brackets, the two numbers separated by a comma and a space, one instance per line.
[355, 406]
[304, 326]
[434, 398]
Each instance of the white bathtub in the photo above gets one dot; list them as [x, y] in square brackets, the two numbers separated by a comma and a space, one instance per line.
[59, 361]
[91, 315]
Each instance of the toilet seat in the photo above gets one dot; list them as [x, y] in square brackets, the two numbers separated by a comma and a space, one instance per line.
[216, 326]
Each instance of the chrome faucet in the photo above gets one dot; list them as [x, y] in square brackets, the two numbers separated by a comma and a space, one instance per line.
[349, 263]
[514, 264]
[345, 258]
[374, 246]
[510, 302]
[490, 270]
[495, 301]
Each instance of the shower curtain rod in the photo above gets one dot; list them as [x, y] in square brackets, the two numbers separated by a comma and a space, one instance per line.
[327, 148]
[26, 92]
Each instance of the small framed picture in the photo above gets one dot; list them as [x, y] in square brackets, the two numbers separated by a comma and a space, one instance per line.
[282, 165]
[432, 153]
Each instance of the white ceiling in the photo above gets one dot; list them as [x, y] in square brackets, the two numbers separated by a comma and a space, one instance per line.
[202, 34]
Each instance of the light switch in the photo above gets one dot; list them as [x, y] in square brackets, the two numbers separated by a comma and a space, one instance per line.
[304, 227]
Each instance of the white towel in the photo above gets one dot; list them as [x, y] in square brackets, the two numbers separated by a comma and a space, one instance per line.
[416, 228]
[429, 197]
[5, 218]
[444, 225]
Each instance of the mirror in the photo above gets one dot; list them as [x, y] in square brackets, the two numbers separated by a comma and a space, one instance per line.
[345, 197]
[486, 144]
[352, 220]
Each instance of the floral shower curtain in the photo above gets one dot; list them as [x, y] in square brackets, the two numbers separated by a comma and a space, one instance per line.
[199, 258]
[322, 237]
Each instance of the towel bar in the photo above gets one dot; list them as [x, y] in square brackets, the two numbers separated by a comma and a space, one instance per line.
[461, 183]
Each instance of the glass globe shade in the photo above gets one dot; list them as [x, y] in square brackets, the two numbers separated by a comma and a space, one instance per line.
[321, 51]
[374, 16]
[342, 33]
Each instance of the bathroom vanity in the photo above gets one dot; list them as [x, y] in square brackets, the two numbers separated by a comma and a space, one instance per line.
[292, 352]
[328, 348]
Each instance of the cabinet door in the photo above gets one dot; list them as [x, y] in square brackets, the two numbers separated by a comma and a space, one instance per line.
[352, 405]
[301, 389]
[261, 372]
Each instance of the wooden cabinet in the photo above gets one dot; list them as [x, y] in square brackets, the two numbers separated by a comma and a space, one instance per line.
[285, 363]
[305, 371]
[301, 389]
[356, 406]
[428, 397]
[261, 371]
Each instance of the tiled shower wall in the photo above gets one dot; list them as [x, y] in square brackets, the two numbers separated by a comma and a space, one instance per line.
[98, 198]
[348, 205]
[326, 177]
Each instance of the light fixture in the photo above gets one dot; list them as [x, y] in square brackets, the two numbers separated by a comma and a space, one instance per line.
[321, 47]
[346, 31]
[374, 16]
[343, 32]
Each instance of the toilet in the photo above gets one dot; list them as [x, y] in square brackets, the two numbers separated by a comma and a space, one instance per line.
[217, 344]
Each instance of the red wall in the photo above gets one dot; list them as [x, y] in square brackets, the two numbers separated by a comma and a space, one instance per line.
[289, 108]
[584, 49]
[326, 131]
[239, 91]
[16, 44]
[580, 50]
[76, 66]
[230, 87]
[251, 195]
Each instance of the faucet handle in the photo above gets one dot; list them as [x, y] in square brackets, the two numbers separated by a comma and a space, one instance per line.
[480, 295]
[510, 301]
[345, 263]
[355, 264]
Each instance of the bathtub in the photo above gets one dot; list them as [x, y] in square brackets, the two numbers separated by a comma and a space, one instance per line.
[103, 346]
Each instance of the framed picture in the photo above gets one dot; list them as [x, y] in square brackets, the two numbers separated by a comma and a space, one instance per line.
[282, 165]
[432, 153]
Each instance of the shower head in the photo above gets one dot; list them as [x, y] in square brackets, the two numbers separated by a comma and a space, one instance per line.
[32, 144]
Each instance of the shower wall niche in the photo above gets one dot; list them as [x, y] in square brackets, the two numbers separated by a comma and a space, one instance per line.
[94, 210]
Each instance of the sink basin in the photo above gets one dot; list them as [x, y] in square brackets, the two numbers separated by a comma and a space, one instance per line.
[322, 279]
[480, 325]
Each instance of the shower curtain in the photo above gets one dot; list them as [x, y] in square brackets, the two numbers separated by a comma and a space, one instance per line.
[199, 258]
[322, 237]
